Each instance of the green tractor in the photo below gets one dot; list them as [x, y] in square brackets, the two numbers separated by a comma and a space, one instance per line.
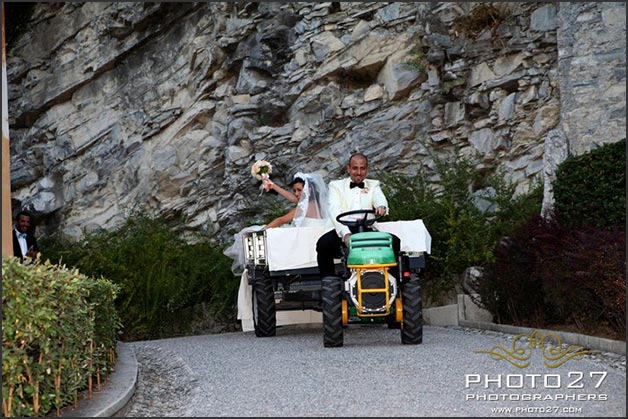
[367, 291]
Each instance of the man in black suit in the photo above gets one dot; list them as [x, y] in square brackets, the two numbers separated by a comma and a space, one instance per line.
[24, 242]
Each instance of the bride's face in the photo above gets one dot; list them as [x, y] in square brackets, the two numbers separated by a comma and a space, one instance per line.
[297, 189]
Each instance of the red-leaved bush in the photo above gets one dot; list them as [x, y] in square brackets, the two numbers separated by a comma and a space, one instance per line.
[546, 274]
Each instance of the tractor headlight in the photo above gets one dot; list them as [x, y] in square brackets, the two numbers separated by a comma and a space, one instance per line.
[249, 245]
[255, 248]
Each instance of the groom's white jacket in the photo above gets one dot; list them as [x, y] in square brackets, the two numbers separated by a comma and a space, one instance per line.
[341, 199]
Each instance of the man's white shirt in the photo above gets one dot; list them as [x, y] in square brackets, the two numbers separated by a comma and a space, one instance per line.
[22, 242]
[342, 198]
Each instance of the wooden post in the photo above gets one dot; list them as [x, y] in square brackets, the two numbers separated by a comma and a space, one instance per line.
[7, 219]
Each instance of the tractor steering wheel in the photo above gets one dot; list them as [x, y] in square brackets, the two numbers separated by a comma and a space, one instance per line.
[362, 223]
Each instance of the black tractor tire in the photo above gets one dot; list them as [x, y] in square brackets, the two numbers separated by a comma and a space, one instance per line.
[331, 295]
[412, 330]
[264, 312]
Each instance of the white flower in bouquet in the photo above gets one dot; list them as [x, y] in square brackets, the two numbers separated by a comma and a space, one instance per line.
[261, 169]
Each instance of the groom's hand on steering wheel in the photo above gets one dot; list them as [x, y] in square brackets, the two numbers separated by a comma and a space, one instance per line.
[362, 223]
[380, 211]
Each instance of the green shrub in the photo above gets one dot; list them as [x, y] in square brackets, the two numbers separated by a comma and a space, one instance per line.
[59, 330]
[160, 275]
[463, 233]
[591, 188]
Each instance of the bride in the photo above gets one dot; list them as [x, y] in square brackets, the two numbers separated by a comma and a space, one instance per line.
[310, 195]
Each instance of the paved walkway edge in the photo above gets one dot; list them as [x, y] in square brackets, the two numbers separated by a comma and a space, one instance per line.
[117, 390]
[120, 385]
[590, 342]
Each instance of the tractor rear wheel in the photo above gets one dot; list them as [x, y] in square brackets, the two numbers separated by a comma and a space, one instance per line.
[331, 294]
[264, 313]
[412, 330]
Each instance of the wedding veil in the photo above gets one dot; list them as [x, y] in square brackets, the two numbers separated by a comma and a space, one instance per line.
[313, 200]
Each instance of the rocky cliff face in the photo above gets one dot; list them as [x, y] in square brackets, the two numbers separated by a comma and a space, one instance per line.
[165, 106]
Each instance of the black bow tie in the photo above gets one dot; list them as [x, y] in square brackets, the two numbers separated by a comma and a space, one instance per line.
[359, 185]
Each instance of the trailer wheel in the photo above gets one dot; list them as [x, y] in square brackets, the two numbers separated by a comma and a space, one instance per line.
[331, 294]
[264, 313]
[412, 330]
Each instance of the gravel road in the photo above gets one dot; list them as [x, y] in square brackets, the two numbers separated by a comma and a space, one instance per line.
[291, 374]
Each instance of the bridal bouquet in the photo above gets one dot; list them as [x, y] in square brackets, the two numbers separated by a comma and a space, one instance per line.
[261, 169]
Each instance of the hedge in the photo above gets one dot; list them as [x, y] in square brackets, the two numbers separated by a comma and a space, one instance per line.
[590, 189]
[59, 330]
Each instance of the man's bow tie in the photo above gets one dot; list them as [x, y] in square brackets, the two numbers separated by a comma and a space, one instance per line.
[354, 184]
[21, 235]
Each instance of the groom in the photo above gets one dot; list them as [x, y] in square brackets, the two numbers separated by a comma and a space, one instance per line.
[349, 194]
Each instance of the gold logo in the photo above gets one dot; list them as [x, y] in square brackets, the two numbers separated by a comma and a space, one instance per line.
[520, 353]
